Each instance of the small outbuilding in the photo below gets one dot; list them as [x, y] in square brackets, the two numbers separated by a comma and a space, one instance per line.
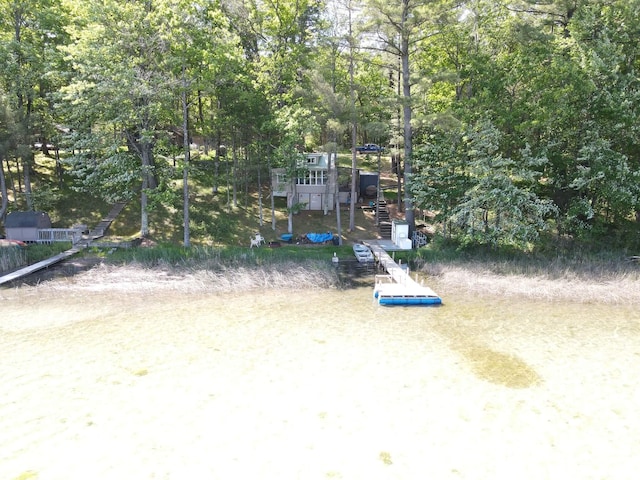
[368, 185]
[24, 226]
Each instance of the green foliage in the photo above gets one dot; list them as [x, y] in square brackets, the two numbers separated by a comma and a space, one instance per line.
[115, 177]
[199, 256]
[296, 208]
[440, 178]
[560, 88]
[605, 181]
[513, 108]
[38, 251]
[479, 194]
[11, 258]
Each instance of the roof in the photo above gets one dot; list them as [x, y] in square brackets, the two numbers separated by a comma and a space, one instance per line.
[27, 220]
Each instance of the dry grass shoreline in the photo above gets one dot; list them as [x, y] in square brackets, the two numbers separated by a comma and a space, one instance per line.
[613, 286]
[552, 286]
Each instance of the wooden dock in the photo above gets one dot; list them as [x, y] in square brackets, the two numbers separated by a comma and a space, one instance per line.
[47, 262]
[397, 287]
[94, 234]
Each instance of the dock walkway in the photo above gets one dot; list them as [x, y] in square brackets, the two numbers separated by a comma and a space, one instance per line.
[86, 240]
[400, 288]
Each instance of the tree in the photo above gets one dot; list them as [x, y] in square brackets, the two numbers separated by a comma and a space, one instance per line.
[400, 27]
[31, 33]
[120, 94]
[5, 147]
[501, 206]
[556, 79]
[486, 197]
[287, 27]
[198, 46]
[354, 121]
[441, 176]
[607, 171]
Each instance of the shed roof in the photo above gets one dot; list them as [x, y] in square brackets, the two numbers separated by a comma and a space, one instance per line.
[27, 220]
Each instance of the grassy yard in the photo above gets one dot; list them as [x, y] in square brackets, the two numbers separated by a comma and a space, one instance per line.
[215, 219]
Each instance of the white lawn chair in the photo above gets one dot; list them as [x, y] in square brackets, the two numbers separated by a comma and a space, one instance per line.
[257, 241]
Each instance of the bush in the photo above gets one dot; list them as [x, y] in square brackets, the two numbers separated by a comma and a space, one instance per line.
[12, 258]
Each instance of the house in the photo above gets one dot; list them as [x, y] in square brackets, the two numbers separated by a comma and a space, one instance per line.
[24, 226]
[315, 187]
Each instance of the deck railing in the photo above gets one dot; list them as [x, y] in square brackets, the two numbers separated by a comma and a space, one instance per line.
[50, 235]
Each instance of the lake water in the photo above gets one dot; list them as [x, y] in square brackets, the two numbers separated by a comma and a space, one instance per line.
[156, 383]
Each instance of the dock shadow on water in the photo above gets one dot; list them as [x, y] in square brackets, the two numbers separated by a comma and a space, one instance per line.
[496, 367]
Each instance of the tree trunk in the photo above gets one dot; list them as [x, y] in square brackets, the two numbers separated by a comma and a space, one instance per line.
[327, 188]
[59, 168]
[187, 158]
[235, 171]
[293, 199]
[145, 150]
[399, 167]
[228, 181]
[290, 215]
[246, 169]
[408, 133]
[12, 183]
[378, 192]
[260, 214]
[337, 198]
[4, 204]
[273, 200]
[354, 153]
[18, 176]
[26, 171]
[144, 217]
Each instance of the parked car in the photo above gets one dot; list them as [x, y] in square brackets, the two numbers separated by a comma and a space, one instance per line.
[369, 148]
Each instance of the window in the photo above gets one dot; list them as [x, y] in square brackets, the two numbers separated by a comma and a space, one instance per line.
[280, 182]
[313, 177]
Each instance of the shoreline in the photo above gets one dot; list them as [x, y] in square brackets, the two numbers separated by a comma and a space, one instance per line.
[615, 289]
[473, 278]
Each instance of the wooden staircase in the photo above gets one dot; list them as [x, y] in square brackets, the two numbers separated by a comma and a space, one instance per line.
[384, 221]
[104, 224]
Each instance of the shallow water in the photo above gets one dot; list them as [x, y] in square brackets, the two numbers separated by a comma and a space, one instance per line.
[315, 384]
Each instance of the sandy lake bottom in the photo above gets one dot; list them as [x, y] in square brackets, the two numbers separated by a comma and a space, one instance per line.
[147, 384]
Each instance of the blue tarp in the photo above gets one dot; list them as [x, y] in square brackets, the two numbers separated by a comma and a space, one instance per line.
[319, 237]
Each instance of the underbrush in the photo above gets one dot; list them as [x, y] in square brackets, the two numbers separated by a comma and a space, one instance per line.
[577, 262]
[12, 258]
[40, 251]
[199, 256]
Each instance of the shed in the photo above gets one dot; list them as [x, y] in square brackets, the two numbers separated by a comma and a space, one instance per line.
[368, 185]
[24, 226]
[400, 234]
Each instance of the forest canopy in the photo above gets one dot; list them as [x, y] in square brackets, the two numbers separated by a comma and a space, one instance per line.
[509, 118]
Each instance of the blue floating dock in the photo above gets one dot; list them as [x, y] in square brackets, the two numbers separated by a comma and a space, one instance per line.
[397, 287]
